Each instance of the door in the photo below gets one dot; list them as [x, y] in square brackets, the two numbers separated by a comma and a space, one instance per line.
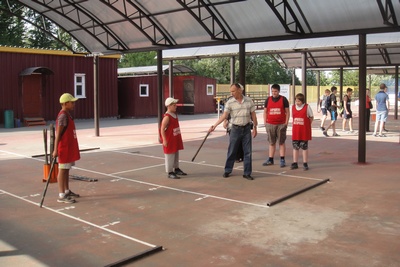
[188, 97]
[31, 96]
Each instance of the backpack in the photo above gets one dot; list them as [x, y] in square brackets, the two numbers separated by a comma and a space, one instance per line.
[328, 103]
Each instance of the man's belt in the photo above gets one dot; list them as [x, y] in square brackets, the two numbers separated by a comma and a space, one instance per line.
[240, 126]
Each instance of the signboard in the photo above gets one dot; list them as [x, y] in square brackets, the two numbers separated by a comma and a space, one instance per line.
[285, 90]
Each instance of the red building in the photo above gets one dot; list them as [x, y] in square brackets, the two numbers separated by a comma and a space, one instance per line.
[138, 94]
[32, 80]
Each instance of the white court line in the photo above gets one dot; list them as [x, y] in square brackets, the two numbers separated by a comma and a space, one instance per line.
[139, 169]
[217, 166]
[171, 188]
[80, 220]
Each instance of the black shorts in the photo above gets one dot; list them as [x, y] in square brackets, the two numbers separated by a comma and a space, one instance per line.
[297, 144]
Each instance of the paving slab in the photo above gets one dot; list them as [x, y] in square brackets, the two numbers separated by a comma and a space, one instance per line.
[201, 219]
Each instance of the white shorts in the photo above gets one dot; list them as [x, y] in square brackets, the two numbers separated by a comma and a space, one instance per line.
[66, 166]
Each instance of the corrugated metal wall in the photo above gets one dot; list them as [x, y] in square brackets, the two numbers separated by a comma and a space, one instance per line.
[203, 103]
[131, 105]
[64, 68]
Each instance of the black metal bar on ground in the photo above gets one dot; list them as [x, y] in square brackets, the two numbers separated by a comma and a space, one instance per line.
[278, 200]
[135, 257]
[80, 150]
[82, 178]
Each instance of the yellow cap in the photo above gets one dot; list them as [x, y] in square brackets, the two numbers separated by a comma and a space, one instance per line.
[67, 98]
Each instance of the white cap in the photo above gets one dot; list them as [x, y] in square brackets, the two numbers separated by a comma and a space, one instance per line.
[170, 101]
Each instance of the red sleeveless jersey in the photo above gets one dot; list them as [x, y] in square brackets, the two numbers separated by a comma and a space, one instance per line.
[276, 111]
[301, 129]
[68, 148]
[173, 134]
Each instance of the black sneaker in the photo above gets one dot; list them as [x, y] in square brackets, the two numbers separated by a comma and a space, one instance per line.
[71, 194]
[325, 133]
[66, 199]
[172, 175]
[294, 166]
[268, 162]
[226, 174]
[179, 172]
[248, 177]
[322, 128]
[305, 166]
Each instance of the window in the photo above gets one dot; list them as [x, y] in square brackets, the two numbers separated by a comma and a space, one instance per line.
[143, 90]
[210, 89]
[80, 89]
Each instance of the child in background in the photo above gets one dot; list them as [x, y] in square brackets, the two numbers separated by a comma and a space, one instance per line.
[301, 130]
[171, 139]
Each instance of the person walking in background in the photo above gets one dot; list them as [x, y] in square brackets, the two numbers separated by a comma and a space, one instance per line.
[382, 110]
[276, 119]
[301, 130]
[321, 107]
[66, 147]
[171, 139]
[242, 111]
[332, 107]
[384, 124]
[347, 112]
[368, 107]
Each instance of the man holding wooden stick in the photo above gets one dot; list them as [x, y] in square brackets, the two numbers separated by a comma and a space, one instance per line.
[243, 118]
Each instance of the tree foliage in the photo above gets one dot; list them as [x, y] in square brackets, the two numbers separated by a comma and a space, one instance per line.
[12, 28]
[24, 27]
[138, 59]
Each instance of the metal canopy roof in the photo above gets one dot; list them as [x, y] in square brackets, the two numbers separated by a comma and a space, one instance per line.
[117, 26]
[329, 52]
[147, 70]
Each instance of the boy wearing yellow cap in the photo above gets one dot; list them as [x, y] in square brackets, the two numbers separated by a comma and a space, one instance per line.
[66, 147]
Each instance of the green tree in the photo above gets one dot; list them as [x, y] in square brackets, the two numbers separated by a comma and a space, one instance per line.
[350, 77]
[12, 28]
[37, 37]
[138, 59]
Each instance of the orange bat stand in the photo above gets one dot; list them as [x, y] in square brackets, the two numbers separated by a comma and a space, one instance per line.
[46, 170]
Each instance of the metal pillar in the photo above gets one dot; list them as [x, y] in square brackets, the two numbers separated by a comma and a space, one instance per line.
[233, 60]
[242, 66]
[96, 94]
[293, 84]
[318, 85]
[396, 92]
[362, 48]
[171, 79]
[304, 75]
[160, 90]
[341, 85]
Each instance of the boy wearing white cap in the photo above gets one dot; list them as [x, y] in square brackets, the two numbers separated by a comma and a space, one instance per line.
[171, 139]
[66, 147]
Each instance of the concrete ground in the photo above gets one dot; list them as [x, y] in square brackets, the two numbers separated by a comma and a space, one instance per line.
[201, 219]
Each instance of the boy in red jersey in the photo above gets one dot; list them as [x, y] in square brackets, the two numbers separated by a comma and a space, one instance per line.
[171, 139]
[66, 147]
[301, 130]
[276, 119]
